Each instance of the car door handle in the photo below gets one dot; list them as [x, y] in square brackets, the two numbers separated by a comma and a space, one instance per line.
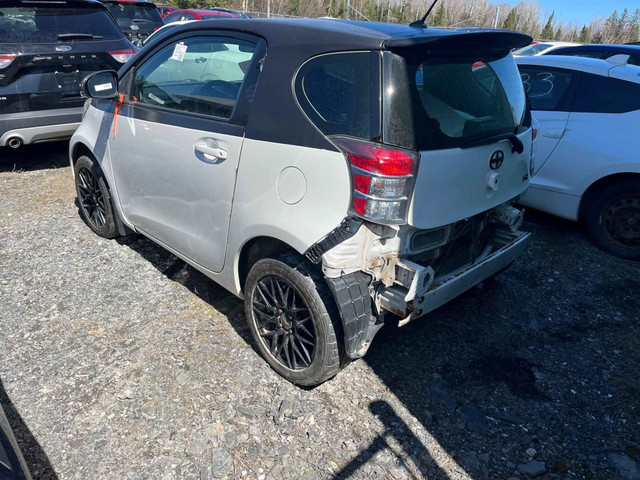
[554, 133]
[211, 153]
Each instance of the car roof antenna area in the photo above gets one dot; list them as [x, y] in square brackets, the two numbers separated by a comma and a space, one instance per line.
[420, 23]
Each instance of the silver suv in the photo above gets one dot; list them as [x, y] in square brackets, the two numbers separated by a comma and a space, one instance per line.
[333, 174]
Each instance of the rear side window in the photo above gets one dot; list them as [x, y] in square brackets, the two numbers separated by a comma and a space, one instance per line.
[338, 92]
[598, 94]
[548, 88]
[198, 75]
[48, 25]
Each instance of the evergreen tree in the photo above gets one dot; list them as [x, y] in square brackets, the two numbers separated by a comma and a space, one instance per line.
[440, 18]
[584, 35]
[511, 22]
[558, 34]
[547, 31]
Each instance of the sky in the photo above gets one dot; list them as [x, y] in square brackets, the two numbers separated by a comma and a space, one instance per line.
[583, 11]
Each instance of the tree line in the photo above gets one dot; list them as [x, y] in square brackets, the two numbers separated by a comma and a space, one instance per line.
[526, 16]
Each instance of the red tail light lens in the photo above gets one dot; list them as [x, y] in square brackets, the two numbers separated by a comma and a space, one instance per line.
[122, 56]
[6, 59]
[383, 179]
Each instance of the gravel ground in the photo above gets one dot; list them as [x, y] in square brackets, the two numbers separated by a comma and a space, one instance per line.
[117, 361]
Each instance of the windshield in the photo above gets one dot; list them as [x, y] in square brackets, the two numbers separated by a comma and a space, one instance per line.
[454, 102]
[532, 49]
[128, 13]
[45, 24]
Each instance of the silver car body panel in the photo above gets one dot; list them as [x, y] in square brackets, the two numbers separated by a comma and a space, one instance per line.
[173, 193]
[269, 178]
[466, 180]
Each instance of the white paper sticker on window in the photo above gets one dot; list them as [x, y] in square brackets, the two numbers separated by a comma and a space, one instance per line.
[178, 52]
[103, 86]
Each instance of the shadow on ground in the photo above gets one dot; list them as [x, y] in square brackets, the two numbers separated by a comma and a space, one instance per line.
[39, 156]
[35, 457]
[516, 376]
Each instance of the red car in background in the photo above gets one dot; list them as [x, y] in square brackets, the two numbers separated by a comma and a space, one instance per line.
[165, 9]
[192, 14]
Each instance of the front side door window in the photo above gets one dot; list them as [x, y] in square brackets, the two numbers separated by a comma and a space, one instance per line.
[197, 75]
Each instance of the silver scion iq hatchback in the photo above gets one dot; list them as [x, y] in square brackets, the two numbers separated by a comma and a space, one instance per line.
[331, 173]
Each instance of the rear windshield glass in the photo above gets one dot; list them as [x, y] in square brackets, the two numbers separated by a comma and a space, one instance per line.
[127, 13]
[44, 25]
[452, 102]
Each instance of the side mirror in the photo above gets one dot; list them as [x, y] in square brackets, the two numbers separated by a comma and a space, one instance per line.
[101, 85]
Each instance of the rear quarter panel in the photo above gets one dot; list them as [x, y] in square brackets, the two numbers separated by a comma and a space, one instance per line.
[292, 193]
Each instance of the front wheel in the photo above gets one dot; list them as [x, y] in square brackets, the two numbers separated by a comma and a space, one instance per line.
[94, 199]
[613, 220]
[293, 319]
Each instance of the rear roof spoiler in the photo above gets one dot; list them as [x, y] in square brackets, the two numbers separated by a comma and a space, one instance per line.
[461, 40]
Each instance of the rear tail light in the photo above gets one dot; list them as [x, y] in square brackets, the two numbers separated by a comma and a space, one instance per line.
[6, 59]
[122, 56]
[383, 179]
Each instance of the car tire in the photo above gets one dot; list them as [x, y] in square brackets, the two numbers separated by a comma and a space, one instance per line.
[294, 320]
[94, 199]
[613, 219]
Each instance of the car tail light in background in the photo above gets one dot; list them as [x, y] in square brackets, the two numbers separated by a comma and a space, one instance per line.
[383, 179]
[6, 59]
[122, 56]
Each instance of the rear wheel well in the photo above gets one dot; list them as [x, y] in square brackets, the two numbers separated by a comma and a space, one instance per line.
[599, 186]
[257, 249]
[80, 149]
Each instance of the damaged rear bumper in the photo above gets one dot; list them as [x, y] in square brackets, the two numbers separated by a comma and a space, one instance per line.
[424, 297]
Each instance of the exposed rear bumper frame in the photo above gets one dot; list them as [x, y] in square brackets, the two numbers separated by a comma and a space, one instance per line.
[394, 298]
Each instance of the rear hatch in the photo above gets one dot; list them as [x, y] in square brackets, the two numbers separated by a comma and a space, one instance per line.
[460, 102]
[47, 48]
[137, 20]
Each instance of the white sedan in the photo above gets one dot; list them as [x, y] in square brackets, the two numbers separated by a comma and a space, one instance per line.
[586, 160]
[542, 48]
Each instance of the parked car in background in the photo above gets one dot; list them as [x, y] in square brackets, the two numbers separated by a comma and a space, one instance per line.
[599, 51]
[299, 177]
[541, 48]
[586, 153]
[166, 9]
[194, 14]
[237, 13]
[47, 48]
[12, 464]
[136, 19]
[164, 28]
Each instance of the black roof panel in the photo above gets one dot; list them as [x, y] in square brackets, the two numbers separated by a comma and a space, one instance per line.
[320, 35]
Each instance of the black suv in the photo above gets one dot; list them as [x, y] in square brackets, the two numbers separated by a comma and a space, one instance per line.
[136, 19]
[46, 49]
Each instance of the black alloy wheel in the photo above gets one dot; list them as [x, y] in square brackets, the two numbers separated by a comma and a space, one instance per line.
[293, 319]
[284, 322]
[94, 200]
[91, 198]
